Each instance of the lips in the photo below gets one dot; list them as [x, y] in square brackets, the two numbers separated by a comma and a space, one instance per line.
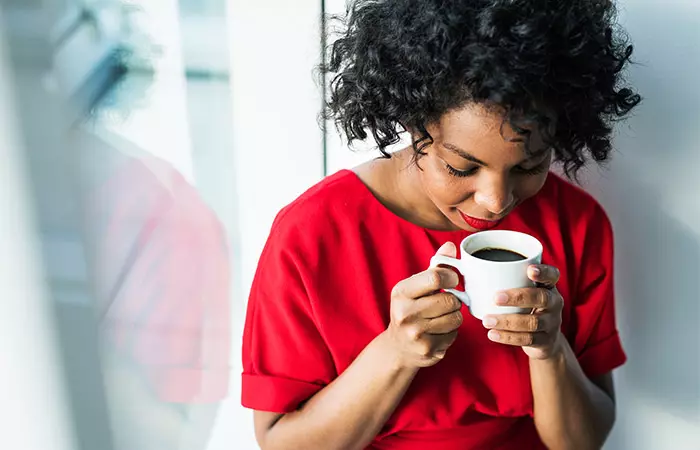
[479, 224]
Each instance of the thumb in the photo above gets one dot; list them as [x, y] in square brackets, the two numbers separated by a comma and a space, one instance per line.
[448, 249]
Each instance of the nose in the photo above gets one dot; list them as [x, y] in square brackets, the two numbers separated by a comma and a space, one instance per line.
[496, 196]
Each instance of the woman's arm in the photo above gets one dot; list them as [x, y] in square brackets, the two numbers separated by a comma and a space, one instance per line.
[346, 414]
[571, 412]
[350, 411]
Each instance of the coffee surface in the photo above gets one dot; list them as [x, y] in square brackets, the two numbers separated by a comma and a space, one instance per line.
[498, 254]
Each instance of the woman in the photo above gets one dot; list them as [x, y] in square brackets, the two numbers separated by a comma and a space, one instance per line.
[349, 342]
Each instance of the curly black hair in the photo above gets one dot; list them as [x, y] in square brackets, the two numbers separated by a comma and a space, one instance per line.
[399, 65]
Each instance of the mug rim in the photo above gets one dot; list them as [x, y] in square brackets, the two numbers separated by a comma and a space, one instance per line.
[465, 255]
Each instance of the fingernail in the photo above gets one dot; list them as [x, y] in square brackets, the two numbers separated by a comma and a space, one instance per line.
[536, 271]
[494, 335]
[501, 298]
[489, 322]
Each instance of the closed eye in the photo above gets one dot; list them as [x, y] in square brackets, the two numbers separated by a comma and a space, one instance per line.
[461, 173]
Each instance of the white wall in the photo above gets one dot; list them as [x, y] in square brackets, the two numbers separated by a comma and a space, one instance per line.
[651, 193]
[277, 150]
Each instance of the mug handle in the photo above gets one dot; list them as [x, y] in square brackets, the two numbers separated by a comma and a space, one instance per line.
[442, 260]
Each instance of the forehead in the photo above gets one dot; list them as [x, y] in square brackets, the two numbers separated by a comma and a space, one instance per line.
[483, 133]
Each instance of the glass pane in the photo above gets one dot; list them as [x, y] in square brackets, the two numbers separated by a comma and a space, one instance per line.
[168, 158]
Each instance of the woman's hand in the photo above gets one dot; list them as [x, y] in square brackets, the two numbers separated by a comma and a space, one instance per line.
[424, 321]
[538, 333]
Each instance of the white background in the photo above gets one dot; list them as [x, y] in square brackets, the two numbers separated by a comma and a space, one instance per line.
[651, 194]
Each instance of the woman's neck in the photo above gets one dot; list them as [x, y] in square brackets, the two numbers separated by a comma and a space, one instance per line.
[397, 184]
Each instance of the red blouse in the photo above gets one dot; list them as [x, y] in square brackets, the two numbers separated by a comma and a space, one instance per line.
[322, 293]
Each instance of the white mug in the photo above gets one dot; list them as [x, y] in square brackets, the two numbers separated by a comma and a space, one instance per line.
[483, 279]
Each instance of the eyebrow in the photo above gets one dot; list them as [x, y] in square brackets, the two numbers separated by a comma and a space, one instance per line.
[459, 152]
[469, 157]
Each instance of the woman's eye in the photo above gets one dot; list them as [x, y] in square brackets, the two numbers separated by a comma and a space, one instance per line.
[461, 173]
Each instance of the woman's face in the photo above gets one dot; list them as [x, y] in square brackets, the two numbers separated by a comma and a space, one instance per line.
[473, 174]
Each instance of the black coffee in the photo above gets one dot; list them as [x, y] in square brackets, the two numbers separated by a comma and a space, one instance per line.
[498, 254]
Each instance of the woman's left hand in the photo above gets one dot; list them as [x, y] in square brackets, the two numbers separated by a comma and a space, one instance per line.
[539, 333]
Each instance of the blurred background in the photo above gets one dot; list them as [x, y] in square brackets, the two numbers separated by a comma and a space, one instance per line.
[146, 148]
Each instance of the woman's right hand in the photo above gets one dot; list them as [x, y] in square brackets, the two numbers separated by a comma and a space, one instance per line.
[424, 320]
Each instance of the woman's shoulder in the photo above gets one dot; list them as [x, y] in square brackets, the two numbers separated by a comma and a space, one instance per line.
[572, 202]
[565, 210]
[336, 199]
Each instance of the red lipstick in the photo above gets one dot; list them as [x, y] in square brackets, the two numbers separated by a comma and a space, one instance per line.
[479, 224]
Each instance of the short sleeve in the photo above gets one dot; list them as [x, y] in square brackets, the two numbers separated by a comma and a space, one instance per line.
[285, 358]
[597, 342]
